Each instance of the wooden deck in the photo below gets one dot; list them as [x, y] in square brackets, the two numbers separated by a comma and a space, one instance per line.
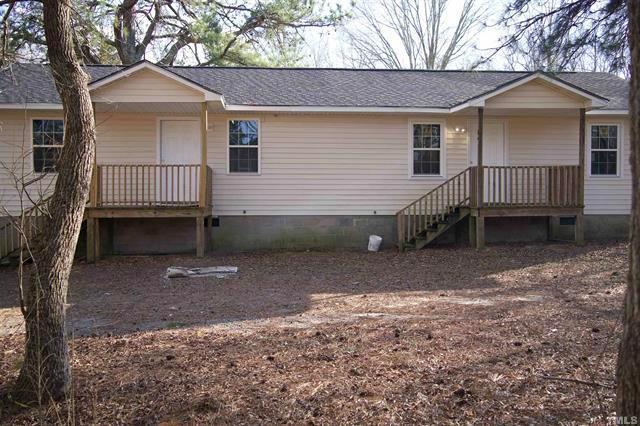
[492, 191]
[148, 191]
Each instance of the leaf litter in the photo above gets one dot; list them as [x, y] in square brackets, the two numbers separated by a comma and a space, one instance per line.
[445, 335]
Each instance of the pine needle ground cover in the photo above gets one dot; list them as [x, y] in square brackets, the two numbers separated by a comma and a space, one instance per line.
[515, 333]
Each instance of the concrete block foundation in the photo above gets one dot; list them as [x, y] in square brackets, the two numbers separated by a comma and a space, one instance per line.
[246, 233]
[239, 233]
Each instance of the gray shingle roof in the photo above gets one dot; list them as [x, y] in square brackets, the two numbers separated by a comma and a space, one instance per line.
[322, 87]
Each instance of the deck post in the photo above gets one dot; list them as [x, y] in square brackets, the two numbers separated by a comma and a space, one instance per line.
[579, 228]
[200, 236]
[476, 230]
[472, 230]
[479, 231]
[202, 193]
[399, 232]
[96, 233]
[553, 228]
[480, 174]
[91, 240]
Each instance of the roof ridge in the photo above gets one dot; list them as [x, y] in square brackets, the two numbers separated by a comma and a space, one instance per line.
[326, 86]
[402, 70]
[343, 69]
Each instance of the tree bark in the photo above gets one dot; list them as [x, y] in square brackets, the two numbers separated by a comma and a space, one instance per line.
[125, 33]
[45, 374]
[628, 372]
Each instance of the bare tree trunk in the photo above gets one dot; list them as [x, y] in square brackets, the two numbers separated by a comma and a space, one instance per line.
[628, 374]
[125, 33]
[45, 373]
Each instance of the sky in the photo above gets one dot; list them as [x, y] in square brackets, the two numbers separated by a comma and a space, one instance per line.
[326, 47]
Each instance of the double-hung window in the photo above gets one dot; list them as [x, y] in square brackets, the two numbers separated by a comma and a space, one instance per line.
[605, 150]
[48, 135]
[427, 149]
[244, 140]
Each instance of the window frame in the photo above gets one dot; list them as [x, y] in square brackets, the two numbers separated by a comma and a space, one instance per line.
[33, 147]
[619, 149]
[443, 149]
[259, 146]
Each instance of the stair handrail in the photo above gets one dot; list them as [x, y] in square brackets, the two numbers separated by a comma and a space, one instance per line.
[419, 218]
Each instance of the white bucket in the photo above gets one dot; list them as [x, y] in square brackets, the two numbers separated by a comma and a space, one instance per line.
[374, 242]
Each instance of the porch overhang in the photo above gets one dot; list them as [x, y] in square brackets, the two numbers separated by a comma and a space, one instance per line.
[584, 98]
[208, 95]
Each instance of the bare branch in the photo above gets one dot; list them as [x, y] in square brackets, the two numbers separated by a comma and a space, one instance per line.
[419, 27]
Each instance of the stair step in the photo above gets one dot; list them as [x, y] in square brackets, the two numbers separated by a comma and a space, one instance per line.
[434, 230]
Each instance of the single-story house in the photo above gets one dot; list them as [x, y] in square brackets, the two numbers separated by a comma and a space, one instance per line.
[229, 158]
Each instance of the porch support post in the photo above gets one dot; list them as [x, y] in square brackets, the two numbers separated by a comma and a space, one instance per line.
[93, 236]
[579, 227]
[581, 160]
[202, 193]
[480, 174]
[93, 189]
[200, 236]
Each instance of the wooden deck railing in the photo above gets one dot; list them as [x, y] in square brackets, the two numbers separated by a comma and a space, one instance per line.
[502, 187]
[17, 229]
[149, 185]
[530, 186]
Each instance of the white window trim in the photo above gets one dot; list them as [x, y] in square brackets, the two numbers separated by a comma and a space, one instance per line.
[620, 148]
[443, 149]
[33, 147]
[259, 172]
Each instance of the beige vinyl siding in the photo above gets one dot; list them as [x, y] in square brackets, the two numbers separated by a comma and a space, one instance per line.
[122, 139]
[146, 86]
[554, 141]
[326, 165]
[16, 160]
[132, 139]
[539, 141]
[535, 94]
[610, 194]
[127, 138]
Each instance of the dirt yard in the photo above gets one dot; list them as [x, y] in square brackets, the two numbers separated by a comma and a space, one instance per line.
[512, 334]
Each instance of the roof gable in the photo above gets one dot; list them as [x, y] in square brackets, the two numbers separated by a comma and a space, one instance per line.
[536, 90]
[146, 82]
[537, 94]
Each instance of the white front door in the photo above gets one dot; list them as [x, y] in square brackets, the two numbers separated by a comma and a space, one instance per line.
[179, 144]
[493, 144]
[493, 154]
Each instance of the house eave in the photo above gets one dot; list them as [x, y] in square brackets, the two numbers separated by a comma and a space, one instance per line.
[337, 109]
[608, 112]
[30, 106]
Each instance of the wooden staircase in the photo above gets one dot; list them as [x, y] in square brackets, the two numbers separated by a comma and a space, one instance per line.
[20, 229]
[431, 215]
